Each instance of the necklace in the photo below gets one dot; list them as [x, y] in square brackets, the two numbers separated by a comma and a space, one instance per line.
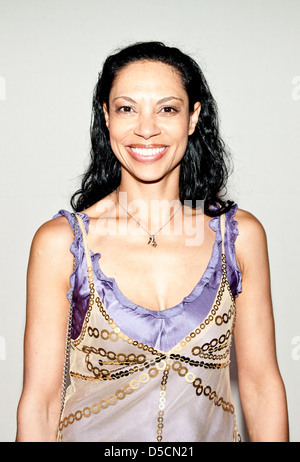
[152, 240]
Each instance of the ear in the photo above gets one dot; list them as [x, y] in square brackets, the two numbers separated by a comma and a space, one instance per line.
[106, 114]
[194, 117]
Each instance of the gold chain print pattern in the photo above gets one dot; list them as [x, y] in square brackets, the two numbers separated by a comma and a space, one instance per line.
[103, 355]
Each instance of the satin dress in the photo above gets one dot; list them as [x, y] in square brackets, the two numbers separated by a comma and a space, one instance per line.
[141, 375]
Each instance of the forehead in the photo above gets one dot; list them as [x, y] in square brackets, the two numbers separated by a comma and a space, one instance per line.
[144, 77]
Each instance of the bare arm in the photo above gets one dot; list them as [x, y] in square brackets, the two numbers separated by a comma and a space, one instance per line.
[261, 387]
[49, 269]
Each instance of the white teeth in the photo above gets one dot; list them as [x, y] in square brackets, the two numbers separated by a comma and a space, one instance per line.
[147, 151]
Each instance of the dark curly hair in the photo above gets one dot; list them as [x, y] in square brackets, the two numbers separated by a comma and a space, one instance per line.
[204, 167]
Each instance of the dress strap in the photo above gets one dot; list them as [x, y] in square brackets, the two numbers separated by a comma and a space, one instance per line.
[86, 247]
[222, 226]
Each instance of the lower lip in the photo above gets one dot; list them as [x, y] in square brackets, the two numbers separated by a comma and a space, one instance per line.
[146, 159]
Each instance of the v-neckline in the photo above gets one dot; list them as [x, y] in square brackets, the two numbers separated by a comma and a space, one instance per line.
[196, 331]
[186, 339]
[168, 312]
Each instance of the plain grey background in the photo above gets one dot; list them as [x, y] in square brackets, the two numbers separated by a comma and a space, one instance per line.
[50, 55]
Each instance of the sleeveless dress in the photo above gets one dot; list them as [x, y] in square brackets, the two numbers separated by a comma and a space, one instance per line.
[142, 375]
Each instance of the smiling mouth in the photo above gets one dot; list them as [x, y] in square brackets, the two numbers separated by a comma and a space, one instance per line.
[150, 153]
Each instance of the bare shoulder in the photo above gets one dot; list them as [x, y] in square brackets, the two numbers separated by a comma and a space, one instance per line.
[249, 226]
[53, 237]
[251, 240]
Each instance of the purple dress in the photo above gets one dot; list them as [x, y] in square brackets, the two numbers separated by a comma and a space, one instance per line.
[161, 329]
[143, 375]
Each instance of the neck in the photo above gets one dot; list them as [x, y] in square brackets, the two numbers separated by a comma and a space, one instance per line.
[161, 190]
[150, 203]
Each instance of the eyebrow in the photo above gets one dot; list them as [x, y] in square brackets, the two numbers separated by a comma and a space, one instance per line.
[163, 100]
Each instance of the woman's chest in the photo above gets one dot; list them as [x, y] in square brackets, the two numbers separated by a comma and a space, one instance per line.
[156, 278]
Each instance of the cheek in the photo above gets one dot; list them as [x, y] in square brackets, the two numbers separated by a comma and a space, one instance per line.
[119, 129]
[177, 127]
[117, 132]
[179, 132]
[182, 135]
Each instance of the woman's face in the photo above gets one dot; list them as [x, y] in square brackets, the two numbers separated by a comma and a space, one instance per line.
[149, 120]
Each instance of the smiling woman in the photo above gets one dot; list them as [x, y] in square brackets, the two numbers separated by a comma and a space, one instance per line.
[149, 332]
[151, 127]
[177, 76]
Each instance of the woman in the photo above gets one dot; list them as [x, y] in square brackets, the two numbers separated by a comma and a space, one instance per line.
[153, 310]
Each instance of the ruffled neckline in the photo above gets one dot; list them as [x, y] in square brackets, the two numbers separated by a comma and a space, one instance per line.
[214, 224]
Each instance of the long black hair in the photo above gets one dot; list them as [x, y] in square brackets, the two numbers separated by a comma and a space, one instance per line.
[204, 167]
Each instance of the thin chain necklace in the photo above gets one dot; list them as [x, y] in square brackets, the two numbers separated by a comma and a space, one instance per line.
[152, 240]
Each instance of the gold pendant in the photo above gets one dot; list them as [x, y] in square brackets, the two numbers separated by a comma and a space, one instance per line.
[152, 241]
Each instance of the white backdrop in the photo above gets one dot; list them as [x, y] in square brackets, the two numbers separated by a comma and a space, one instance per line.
[50, 55]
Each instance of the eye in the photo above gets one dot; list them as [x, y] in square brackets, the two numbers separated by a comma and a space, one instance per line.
[169, 110]
[125, 109]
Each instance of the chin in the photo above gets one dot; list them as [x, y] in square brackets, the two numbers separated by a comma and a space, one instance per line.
[152, 176]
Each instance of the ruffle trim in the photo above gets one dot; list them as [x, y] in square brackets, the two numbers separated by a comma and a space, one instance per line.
[207, 278]
[231, 233]
[230, 237]
[232, 224]
[76, 247]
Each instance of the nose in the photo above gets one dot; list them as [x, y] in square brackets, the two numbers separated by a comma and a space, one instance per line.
[147, 126]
